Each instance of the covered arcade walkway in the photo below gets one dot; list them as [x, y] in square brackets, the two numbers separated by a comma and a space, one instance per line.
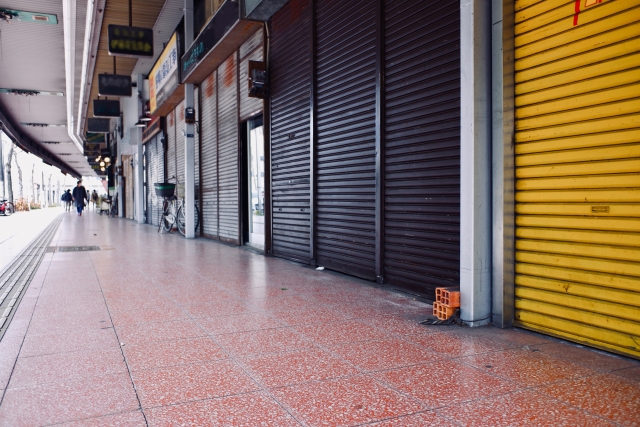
[158, 330]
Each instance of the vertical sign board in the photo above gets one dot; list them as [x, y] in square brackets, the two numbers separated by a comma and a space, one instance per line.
[114, 85]
[164, 77]
[133, 42]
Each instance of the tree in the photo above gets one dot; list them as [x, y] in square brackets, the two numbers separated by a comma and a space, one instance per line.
[15, 154]
[8, 169]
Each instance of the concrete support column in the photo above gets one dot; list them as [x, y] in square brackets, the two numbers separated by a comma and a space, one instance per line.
[503, 135]
[189, 140]
[475, 158]
[136, 139]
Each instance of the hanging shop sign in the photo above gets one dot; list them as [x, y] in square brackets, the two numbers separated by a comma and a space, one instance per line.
[114, 85]
[165, 74]
[106, 108]
[154, 127]
[94, 138]
[99, 125]
[134, 42]
[218, 26]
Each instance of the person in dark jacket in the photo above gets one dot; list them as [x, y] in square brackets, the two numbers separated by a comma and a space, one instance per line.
[79, 196]
[67, 198]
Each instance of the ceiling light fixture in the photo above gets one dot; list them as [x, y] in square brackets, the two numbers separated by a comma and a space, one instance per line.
[140, 124]
[42, 125]
[107, 159]
[30, 92]
[145, 118]
[102, 164]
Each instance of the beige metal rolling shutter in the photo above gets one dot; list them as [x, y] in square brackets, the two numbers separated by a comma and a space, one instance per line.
[171, 146]
[578, 170]
[209, 157]
[179, 112]
[228, 151]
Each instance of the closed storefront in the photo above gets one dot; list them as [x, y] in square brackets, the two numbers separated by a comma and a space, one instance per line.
[154, 170]
[290, 131]
[577, 162]
[170, 159]
[422, 144]
[209, 148]
[365, 139]
[346, 132]
[228, 151]
[127, 169]
[223, 98]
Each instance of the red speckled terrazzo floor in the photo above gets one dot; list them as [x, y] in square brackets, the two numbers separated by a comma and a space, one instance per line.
[155, 330]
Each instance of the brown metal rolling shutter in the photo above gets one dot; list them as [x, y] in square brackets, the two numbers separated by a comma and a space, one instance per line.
[180, 142]
[251, 50]
[346, 83]
[209, 158]
[422, 145]
[228, 150]
[290, 124]
[171, 145]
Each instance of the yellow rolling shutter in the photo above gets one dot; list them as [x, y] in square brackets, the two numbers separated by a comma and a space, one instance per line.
[578, 170]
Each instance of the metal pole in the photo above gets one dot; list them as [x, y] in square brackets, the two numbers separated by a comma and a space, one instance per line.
[189, 142]
[475, 162]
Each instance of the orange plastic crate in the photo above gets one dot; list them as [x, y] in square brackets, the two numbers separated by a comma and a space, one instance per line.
[449, 297]
[443, 312]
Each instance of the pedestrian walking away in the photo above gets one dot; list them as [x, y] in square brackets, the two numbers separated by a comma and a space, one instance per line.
[94, 199]
[79, 196]
[67, 198]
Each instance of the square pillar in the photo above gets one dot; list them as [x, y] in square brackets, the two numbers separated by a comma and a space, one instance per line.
[189, 133]
[475, 162]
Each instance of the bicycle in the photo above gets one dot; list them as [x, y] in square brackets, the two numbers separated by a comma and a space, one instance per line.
[6, 207]
[114, 207]
[173, 208]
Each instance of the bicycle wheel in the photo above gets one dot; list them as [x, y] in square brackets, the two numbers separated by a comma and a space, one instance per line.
[182, 226]
[166, 222]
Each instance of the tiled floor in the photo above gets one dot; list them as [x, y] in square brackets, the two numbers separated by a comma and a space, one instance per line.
[155, 330]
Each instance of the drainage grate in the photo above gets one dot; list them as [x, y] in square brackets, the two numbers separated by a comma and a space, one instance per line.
[78, 248]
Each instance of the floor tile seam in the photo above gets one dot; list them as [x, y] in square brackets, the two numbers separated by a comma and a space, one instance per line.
[178, 365]
[449, 419]
[72, 381]
[262, 388]
[592, 374]
[584, 411]
[312, 382]
[133, 385]
[4, 391]
[501, 378]
[557, 357]
[433, 408]
[519, 390]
